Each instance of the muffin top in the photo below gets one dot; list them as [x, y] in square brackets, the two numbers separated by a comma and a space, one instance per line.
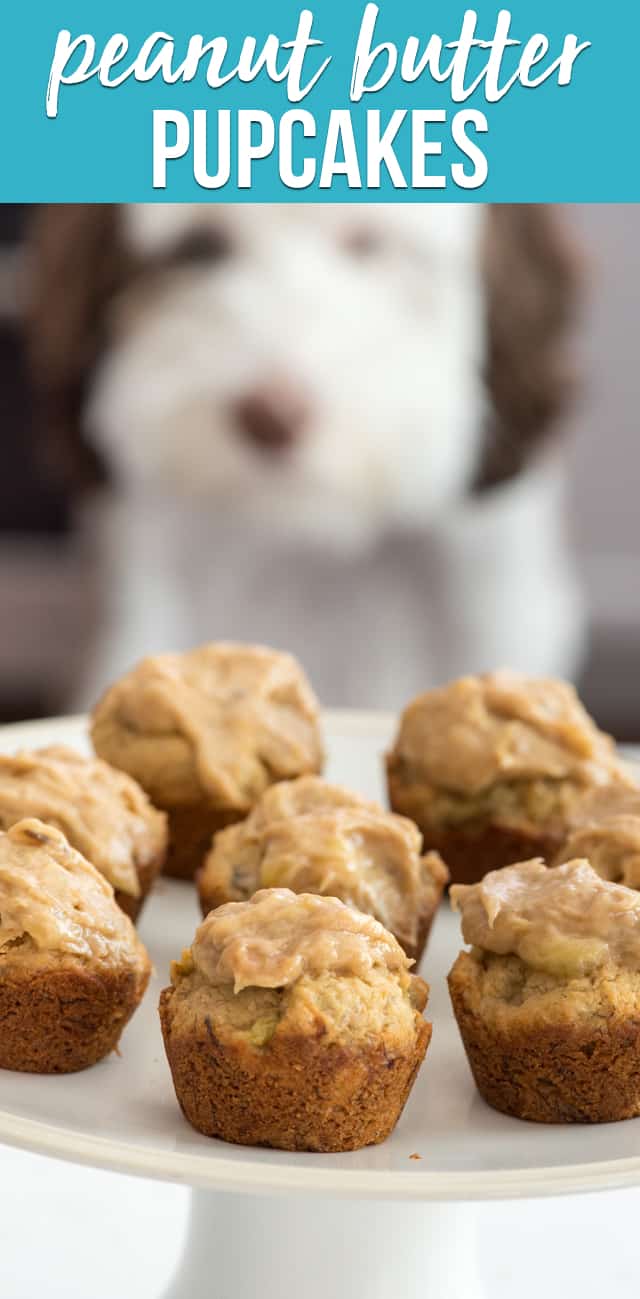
[104, 814]
[278, 937]
[310, 836]
[563, 920]
[607, 832]
[52, 901]
[479, 730]
[297, 797]
[220, 722]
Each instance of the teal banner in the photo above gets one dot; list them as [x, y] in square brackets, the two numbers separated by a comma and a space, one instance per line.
[396, 101]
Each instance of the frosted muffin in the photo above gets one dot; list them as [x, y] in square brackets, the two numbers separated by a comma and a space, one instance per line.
[293, 1021]
[72, 969]
[312, 837]
[548, 999]
[205, 733]
[607, 833]
[491, 768]
[103, 813]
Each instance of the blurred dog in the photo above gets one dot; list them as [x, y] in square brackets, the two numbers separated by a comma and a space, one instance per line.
[324, 427]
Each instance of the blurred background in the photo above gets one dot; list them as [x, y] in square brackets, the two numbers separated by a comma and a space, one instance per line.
[50, 584]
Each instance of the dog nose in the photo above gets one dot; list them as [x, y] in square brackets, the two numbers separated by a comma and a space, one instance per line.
[272, 416]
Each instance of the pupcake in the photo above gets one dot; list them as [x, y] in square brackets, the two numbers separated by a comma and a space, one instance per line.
[312, 837]
[548, 999]
[607, 832]
[491, 768]
[103, 813]
[205, 733]
[72, 969]
[293, 1021]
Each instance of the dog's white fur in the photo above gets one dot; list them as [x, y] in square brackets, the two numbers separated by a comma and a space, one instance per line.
[359, 548]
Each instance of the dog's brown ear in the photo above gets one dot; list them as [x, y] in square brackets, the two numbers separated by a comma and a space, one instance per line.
[73, 269]
[531, 273]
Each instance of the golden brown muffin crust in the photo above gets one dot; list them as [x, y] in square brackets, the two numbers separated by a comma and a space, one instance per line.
[548, 999]
[147, 875]
[72, 969]
[191, 830]
[301, 1094]
[293, 1021]
[59, 1019]
[547, 1050]
[472, 850]
[337, 1008]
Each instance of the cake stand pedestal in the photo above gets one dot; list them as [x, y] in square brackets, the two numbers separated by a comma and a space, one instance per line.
[242, 1247]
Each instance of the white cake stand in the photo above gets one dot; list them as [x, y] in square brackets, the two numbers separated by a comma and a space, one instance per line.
[390, 1222]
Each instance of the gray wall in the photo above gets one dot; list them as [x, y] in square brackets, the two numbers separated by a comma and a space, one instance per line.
[605, 426]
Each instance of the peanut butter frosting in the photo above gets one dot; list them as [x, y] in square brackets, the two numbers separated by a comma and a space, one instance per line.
[291, 798]
[278, 937]
[607, 833]
[564, 920]
[241, 716]
[309, 836]
[479, 730]
[104, 814]
[52, 896]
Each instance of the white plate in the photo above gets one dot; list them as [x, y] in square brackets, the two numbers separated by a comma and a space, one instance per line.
[123, 1114]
